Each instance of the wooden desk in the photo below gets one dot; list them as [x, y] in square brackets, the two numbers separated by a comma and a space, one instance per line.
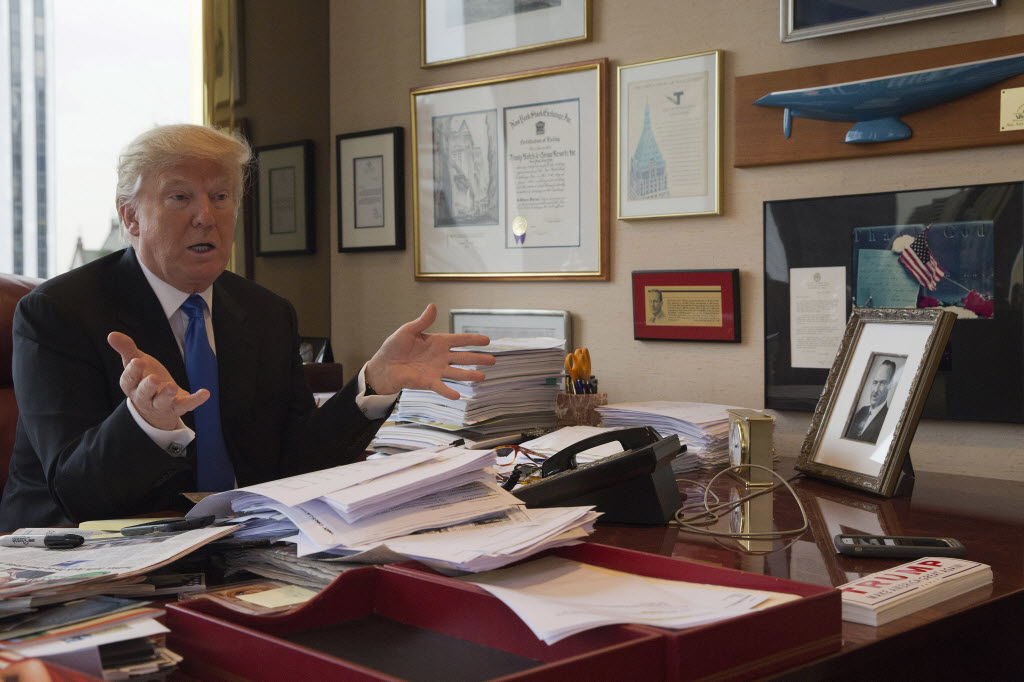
[972, 636]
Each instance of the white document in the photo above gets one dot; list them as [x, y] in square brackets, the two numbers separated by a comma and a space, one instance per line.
[558, 597]
[817, 315]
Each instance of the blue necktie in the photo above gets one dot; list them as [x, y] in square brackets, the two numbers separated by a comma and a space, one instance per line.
[214, 471]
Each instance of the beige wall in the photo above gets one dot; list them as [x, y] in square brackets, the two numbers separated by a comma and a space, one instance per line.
[374, 62]
[286, 80]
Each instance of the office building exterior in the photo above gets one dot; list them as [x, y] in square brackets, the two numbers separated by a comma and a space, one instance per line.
[27, 178]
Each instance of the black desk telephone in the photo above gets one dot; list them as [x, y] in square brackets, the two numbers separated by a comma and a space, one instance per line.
[634, 486]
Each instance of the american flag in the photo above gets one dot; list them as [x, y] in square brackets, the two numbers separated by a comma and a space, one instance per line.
[920, 263]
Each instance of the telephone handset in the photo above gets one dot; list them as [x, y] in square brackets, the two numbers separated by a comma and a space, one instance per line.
[635, 486]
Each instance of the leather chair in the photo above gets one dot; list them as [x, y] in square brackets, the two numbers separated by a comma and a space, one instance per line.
[12, 288]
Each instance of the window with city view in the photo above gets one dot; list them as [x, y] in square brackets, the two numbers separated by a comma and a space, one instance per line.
[78, 80]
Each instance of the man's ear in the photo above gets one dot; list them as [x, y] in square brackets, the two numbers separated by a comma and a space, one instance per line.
[129, 218]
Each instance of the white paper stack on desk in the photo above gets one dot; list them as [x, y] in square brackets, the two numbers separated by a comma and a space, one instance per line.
[377, 511]
[518, 394]
[702, 427]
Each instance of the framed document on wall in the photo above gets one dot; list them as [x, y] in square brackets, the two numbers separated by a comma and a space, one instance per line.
[284, 199]
[371, 190]
[687, 305]
[510, 176]
[668, 142]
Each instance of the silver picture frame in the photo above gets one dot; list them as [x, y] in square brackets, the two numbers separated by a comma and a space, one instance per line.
[862, 428]
[873, 17]
[511, 322]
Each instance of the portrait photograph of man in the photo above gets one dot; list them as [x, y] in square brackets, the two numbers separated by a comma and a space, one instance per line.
[880, 379]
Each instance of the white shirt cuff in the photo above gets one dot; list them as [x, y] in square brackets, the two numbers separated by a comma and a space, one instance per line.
[373, 406]
[172, 442]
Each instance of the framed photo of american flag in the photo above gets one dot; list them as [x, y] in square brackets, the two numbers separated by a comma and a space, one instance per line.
[952, 248]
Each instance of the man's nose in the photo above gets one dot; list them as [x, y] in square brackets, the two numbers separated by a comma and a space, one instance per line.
[203, 216]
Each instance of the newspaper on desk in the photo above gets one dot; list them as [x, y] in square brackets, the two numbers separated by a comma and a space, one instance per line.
[101, 557]
[438, 505]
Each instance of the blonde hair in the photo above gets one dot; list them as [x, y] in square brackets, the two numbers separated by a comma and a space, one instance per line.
[162, 147]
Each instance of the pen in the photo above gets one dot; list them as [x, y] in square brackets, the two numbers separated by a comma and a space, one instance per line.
[54, 541]
[170, 526]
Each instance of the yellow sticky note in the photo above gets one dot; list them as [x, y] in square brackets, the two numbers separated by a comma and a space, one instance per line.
[282, 596]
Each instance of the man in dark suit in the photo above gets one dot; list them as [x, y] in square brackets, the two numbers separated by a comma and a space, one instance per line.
[867, 421]
[102, 356]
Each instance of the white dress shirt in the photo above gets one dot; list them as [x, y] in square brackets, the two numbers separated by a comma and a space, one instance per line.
[176, 440]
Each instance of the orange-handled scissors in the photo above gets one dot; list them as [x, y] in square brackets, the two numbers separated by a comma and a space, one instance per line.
[577, 364]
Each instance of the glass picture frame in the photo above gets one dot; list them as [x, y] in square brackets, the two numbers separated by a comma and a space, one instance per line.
[803, 19]
[514, 323]
[669, 139]
[687, 305]
[284, 199]
[864, 423]
[459, 30]
[510, 176]
[371, 190]
[823, 254]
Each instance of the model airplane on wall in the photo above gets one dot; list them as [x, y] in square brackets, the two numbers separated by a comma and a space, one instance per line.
[876, 104]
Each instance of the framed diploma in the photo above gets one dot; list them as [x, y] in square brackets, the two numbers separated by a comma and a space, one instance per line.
[371, 190]
[953, 248]
[510, 175]
[687, 305]
[458, 30]
[669, 141]
[284, 199]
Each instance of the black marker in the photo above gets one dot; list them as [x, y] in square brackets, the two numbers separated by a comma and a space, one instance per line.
[53, 541]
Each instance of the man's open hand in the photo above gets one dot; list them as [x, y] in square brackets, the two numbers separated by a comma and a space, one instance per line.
[410, 358]
[150, 387]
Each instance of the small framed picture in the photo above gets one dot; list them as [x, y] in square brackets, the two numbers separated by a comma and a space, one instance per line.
[459, 30]
[284, 199]
[687, 305]
[371, 190]
[512, 323]
[669, 139]
[868, 412]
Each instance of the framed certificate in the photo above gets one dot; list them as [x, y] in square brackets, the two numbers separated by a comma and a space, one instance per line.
[371, 190]
[510, 175]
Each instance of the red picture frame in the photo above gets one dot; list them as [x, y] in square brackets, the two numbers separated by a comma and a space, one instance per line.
[687, 305]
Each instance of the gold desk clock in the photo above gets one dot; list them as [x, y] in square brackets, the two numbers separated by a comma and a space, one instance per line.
[750, 442]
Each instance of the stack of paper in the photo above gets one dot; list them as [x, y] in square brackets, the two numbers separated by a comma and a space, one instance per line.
[517, 394]
[379, 511]
[887, 595]
[702, 427]
[557, 597]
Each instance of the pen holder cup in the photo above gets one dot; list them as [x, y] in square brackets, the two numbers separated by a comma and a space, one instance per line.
[578, 410]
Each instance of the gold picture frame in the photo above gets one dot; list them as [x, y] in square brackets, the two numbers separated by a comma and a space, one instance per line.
[669, 141]
[868, 412]
[453, 31]
[510, 176]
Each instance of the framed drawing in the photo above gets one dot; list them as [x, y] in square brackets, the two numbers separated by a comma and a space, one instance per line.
[668, 139]
[802, 19]
[509, 176]
[825, 255]
[874, 395]
[371, 190]
[284, 199]
[687, 305]
[510, 323]
[458, 30]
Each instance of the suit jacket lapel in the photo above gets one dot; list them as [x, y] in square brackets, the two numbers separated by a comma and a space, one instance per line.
[237, 354]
